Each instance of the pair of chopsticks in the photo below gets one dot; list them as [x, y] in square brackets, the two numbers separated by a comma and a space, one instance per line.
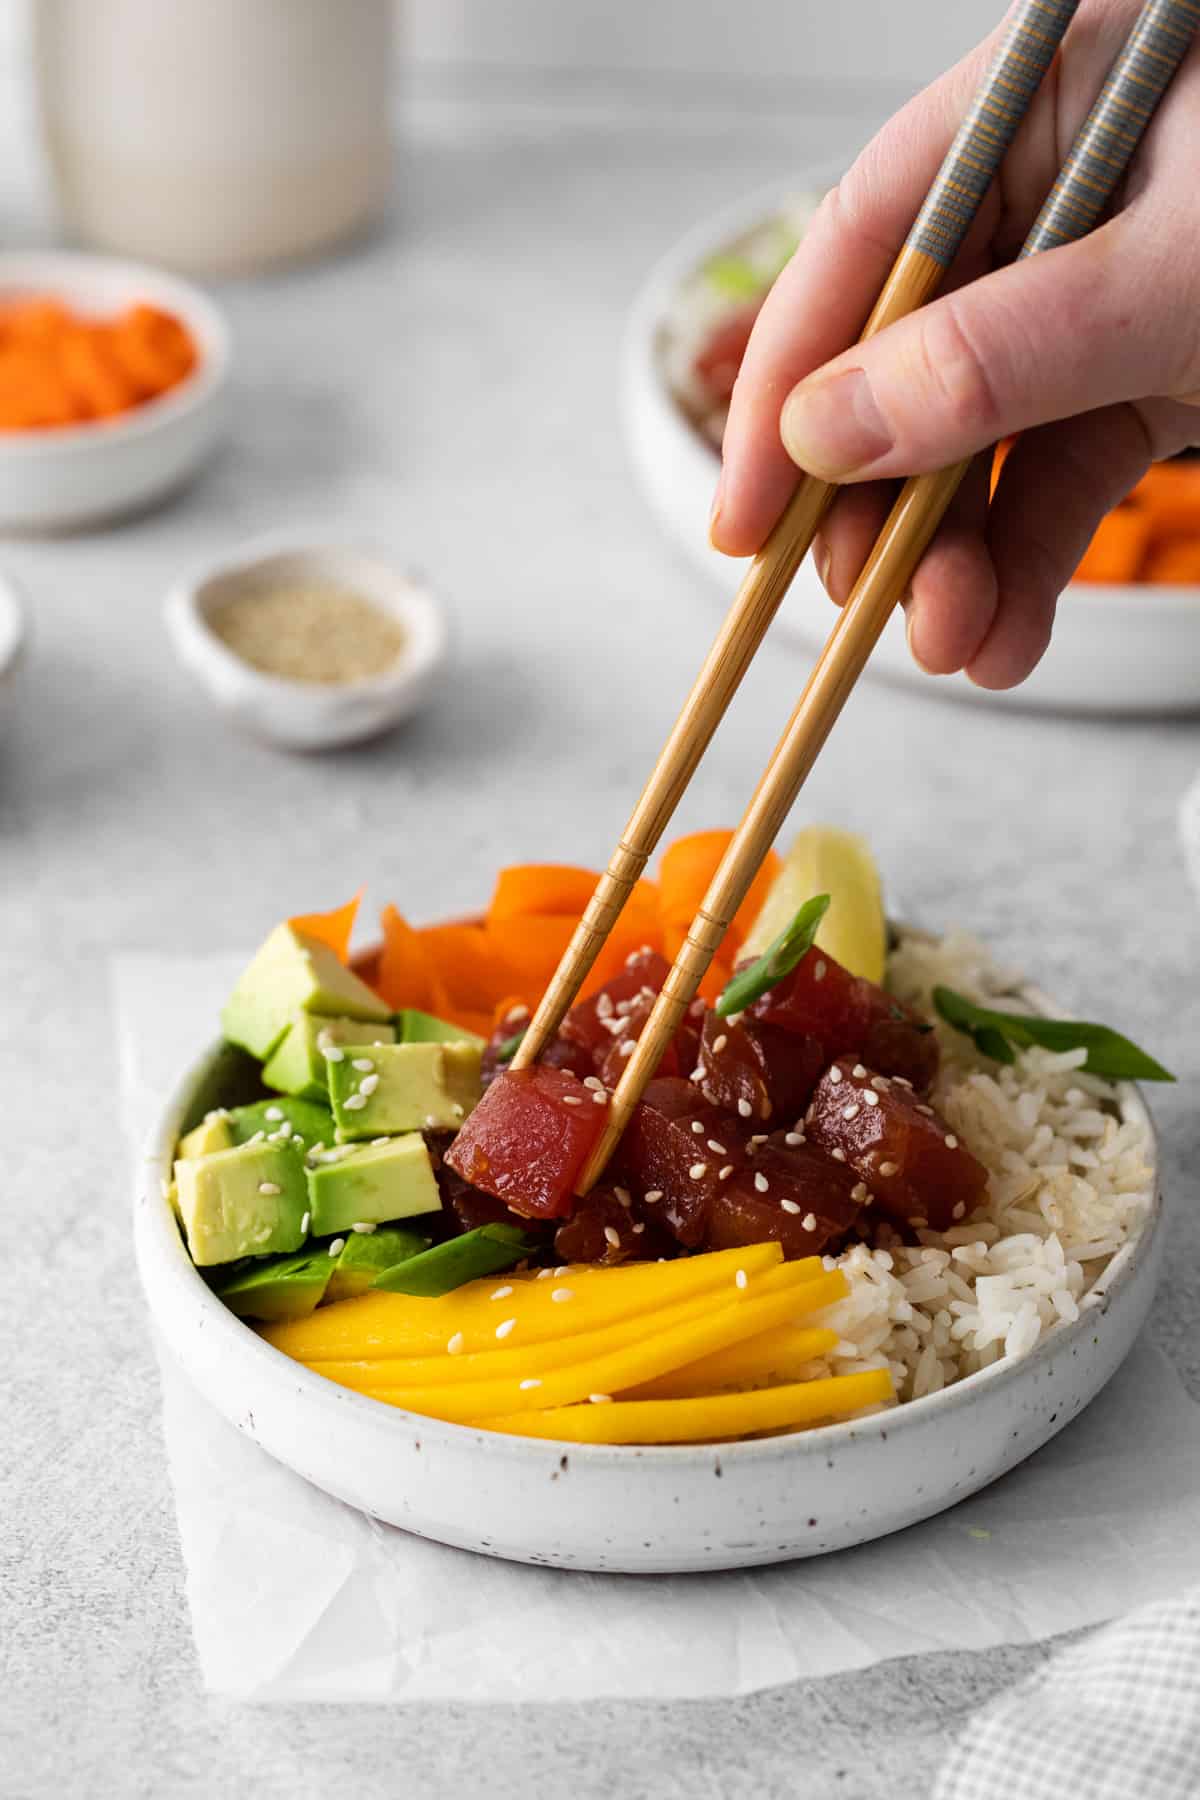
[1096, 163]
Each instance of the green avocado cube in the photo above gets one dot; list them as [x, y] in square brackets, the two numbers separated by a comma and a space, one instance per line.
[278, 1287]
[297, 1124]
[298, 1065]
[293, 973]
[369, 1186]
[404, 1087]
[415, 1027]
[248, 1201]
[484, 1251]
[214, 1132]
[364, 1258]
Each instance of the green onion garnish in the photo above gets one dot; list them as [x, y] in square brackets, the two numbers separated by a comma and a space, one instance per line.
[508, 1049]
[999, 1034]
[777, 960]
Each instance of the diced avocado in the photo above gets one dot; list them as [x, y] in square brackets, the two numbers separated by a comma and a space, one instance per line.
[214, 1132]
[298, 1065]
[363, 1258]
[293, 973]
[408, 1087]
[298, 1124]
[379, 1182]
[249, 1201]
[447, 1266]
[414, 1027]
[279, 1287]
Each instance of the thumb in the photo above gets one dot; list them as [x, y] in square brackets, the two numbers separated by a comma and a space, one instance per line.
[1075, 328]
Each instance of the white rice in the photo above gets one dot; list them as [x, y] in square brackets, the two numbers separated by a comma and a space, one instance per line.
[1070, 1184]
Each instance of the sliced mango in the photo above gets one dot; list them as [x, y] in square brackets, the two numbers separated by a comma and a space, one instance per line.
[772, 1358]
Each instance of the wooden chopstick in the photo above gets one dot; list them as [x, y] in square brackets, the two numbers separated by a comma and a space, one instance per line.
[1096, 163]
[1026, 52]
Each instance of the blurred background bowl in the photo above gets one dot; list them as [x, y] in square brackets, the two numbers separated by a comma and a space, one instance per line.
[65, 477]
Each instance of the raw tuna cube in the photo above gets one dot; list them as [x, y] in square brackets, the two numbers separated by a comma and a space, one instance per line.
[597, 1021]
[673, 1153]
[901, 1046]
[757, 1071]
[790, 1193]
[610, 1226]
[818, 999]
[678, 1058]
[560, 1053]
[528, 1139]
[912, 1162]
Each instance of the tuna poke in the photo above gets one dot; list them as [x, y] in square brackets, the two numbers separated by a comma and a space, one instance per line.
[864, 1169]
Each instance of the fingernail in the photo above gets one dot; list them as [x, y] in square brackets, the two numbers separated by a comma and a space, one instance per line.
[909, 620]
[715, 511]
[831, 426]
[823, 556]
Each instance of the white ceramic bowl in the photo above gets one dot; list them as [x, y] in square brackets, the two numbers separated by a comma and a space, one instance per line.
[70, 476]
[12, 630]
[309, 715]
[618, 1508]
[1115, 649]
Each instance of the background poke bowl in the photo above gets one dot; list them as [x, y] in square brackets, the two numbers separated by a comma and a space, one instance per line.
[622, 1508]
[1116, 648]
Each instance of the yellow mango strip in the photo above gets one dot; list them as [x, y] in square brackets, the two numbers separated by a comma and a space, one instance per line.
[774, 1357]
[776, 1298]
[382, 1324]
[511, 1357]
[705, 1419]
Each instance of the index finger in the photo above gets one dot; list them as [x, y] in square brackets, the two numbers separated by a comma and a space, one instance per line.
[821, 301]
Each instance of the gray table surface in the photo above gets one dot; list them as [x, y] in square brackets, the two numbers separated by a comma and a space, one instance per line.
[449, 388]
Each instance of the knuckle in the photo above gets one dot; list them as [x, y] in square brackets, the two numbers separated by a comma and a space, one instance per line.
[956, 375]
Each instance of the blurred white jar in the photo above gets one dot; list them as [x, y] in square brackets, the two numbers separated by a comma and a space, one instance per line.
[216, 135]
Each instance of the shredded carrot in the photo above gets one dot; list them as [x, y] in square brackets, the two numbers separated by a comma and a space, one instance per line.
[331, 928]
[685, 872]
[60, 367]
[1174, 561]
[541, 888]
[406, 975]
[1118, 548]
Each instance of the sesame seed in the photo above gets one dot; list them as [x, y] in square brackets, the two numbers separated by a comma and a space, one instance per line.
[379, 1143]
[637, 1230]
[364, 1228]
[819, 970]
[888, 1168]
[368, 1084]
[852, 1111]
[269, 1187]
[354, 1102]
[719, 1043]
[761, 1183]
[502, 1293]
[745, 1108]
[653, 1197]
[612, 1236]
[759, 1137]
[305, 1222]
[285, 1130]
[697, 1073]
[734, 1018]
[927, 1110]
[337, 1246]
[520, 1012]
[332, 1053]
[530, 1381]
[835, 1074]
[741, 1279]
[838, 1154]
[698, 1128]
[593, 1081]
[604, 1006]
[793, 1138]
[902, 1081]
[614, 1027]
[600, 1399]
[860, 1192]
[504, 1327]
[363, 1064]
[571, 1100]
[809, 1221]
[717, 1149]
[624, 1008]
[960, 1211]
[698, 1171]
[951, 1141]
[455, 1344]
[625, 1048]
[458, 1111]
[789, 1206]
[880, 1083]
[562, 1293]
[431, 1123]
[273, 1112]
[859, 1072]
[725, 1173]
[599, 1099]
[871, 1097]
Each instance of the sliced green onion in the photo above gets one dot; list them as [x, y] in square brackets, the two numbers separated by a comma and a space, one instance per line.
[508, 1049]
[737, 277]
[777, 960]
[999, 1034]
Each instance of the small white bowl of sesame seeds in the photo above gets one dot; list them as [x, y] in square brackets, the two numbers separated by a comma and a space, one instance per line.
[310, 647]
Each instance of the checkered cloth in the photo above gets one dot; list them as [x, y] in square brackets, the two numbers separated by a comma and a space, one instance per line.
[1114, 1718]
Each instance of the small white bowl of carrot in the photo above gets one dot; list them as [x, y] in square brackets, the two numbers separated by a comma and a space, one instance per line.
[113, 382]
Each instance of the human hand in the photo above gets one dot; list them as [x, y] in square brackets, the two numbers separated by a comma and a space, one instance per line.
[1091, 352]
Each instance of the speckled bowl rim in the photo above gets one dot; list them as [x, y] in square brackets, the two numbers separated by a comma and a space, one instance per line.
[154, 1221]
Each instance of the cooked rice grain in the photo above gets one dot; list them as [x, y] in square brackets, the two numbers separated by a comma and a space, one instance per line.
[1071, 1183]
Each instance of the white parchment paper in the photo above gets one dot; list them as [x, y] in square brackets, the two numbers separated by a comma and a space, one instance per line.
[296, 1596]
